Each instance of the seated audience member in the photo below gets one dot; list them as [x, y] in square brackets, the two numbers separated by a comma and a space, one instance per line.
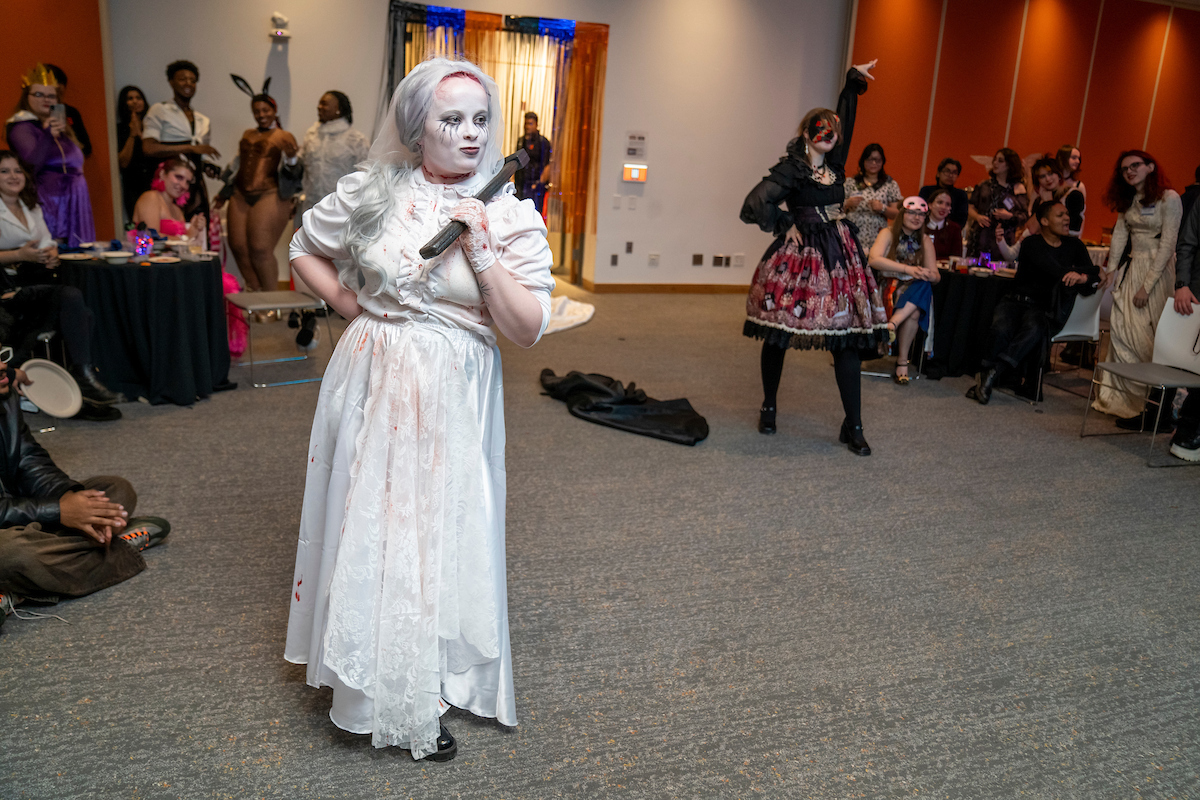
[60, 537]
[137, 170]
[947, 173]
[26, 311]
[161, 208]
[945, 232]
[1186, 442]
[1036, 306]
[74, 118]
[904, 252]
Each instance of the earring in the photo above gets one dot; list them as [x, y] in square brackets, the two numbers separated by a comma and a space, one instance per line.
[806, 148]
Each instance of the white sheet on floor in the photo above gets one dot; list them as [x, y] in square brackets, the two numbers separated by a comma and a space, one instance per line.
[566, 313]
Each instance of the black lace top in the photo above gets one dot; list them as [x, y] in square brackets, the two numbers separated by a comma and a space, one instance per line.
[791, 181]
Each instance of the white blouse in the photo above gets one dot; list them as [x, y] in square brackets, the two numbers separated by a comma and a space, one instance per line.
[14, 235]
[167, 123]
[442, 290]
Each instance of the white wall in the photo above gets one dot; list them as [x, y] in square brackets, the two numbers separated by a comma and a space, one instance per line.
[718, 86]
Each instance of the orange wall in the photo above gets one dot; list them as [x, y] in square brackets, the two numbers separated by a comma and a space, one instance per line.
[975, 83]
[66, 33]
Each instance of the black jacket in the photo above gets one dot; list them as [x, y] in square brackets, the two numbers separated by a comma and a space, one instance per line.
[1187, 271]
[30, 483]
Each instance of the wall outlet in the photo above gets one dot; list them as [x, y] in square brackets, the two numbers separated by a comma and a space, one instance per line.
[629, 247]
[697, 259]
[613, 263]
[739, 260]
[632, 202]
[617, 201]
[654, 259]
[718, 261]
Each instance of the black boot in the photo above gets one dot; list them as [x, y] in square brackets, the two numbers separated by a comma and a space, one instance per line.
[92, 389]
[981, 392]
[852, 437]
[766, 420]
[447, 747]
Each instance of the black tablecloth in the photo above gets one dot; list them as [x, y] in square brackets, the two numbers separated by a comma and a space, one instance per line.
[160, 328]
[962, 315]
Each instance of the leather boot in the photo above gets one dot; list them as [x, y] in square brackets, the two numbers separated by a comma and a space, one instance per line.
[981, 392]
[766, 420]
[852, 437]
[92, 389]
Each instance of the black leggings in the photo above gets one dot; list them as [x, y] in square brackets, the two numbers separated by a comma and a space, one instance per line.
[847, 369]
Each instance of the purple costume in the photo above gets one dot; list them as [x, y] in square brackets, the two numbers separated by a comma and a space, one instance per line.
[57, 166]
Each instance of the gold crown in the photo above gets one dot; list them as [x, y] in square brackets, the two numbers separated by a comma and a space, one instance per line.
[40, 75]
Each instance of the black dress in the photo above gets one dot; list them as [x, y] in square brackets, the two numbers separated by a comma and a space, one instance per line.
[135, 178]
[820, 295]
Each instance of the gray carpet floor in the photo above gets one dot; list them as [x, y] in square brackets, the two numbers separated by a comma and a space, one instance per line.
[988, 607]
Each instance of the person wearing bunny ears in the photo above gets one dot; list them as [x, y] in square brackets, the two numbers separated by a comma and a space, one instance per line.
[257, 214]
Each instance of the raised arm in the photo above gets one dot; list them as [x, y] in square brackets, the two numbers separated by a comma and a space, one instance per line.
[847, 108]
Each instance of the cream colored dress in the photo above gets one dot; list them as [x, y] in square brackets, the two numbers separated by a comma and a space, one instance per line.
[1153, 231]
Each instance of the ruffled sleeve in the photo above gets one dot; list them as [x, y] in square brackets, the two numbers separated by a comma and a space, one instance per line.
[761, 207]
[519, 236]
[321, 231]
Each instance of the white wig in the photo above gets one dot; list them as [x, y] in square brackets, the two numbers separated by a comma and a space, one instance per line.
[396, 152]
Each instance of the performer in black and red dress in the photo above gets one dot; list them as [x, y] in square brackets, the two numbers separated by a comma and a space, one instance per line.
[813, 289]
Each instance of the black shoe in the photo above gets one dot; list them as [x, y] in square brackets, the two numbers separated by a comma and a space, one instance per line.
[1144, 422]
[766, 420]
[1186, 445]
[447, 747]
[852, 437]
[306, 338]
[294, 319]
[92, 389]
[981, 392]
[94, 413]
[142, 533]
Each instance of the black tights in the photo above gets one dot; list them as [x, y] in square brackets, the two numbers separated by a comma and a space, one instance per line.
[847, 369]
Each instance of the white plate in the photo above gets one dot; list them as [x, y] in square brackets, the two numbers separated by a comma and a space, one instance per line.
[53, 389]
[87, 245]
[76, 257]
[165, 260]
[209, 253]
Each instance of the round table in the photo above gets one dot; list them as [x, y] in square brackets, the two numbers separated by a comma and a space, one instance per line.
[962, 309]
[160, 328]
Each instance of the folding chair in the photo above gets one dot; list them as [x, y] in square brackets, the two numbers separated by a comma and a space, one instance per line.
[251, 302]
[1175, 365]
[1082, 326]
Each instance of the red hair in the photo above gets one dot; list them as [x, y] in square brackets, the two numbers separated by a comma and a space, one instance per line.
[1120, 194]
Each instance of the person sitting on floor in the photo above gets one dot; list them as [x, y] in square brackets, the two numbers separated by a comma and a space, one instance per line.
[26, 311]
[1035, 308]
[60, 537]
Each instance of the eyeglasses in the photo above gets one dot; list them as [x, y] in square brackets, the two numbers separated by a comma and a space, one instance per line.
[1133, 167]
[43, 96]
[6, 354]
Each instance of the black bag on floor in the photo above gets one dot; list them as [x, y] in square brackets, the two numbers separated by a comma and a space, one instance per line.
[605, 401]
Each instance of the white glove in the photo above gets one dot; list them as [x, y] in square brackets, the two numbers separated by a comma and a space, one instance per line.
[475, 241]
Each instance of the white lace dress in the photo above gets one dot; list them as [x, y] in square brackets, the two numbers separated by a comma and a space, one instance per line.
[399, 599]
[330, 151]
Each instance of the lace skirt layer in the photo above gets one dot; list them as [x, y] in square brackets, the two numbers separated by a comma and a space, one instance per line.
[399, 595]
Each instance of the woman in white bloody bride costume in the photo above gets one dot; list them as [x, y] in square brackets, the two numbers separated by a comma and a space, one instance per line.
[399, 599]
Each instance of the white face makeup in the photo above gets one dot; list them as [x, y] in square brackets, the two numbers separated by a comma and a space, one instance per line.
[456, 130]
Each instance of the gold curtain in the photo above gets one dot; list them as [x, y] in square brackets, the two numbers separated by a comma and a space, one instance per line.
[560, 81]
